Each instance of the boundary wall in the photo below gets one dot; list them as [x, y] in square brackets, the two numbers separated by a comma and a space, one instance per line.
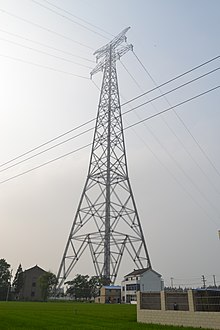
[186, 317]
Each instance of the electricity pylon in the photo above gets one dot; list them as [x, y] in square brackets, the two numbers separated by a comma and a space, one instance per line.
[107, 221]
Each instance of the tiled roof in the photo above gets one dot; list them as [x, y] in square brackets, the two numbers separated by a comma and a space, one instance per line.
[141, 271]
[35, 267]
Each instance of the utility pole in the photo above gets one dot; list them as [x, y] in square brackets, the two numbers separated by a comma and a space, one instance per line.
[106, 221]
[171, 282]
[204, 281]
[214, 281]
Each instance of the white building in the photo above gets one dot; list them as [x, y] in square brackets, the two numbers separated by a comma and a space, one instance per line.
[144, 280]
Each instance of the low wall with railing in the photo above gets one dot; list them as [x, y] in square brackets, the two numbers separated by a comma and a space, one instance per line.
[195, 308]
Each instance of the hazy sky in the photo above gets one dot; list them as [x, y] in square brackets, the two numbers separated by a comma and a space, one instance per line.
[175, 180]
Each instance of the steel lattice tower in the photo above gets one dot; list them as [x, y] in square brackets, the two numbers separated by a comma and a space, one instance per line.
[107, 221]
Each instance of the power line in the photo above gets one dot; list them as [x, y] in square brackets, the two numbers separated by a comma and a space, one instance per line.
[132, 77]
[45, 150]
[43, 66]
[171, 173]
[170, 128]
[182, 170]
[49, 162]
[44, 28]
[44, 45]
[139, 122]
[83, 20]
[172, 107]
[132, 109]
[95, 84]
[180, 119]
[80, 126]
[170, 91]
[45, 143]
[177, 180]
[69, 19]
[45, 53]
[173, 79]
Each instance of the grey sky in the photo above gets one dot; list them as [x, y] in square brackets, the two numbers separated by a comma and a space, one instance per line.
[178, 205]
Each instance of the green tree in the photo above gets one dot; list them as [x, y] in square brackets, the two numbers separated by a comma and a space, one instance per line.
[47, 283]
[5, 277]
[95, 285]
[18, 281]
[79, 287]
[83, 287]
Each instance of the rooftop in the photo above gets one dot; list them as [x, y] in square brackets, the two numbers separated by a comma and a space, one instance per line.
[114, 287]
[141, 271]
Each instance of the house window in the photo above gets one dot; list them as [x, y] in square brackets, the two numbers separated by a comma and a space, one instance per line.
[34, 284]
[133, 287]
[32, 294]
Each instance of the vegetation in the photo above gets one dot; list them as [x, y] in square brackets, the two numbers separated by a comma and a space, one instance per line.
[83, 287]
[18, 282]
[47, 283]
[5, 277]
[68, 315]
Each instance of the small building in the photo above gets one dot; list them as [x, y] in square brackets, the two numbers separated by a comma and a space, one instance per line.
[31, 290]
[144, 280]
[109, 294]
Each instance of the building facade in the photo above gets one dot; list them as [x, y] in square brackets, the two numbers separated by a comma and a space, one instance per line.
[31, 290]
[143, 280]
[110, 294]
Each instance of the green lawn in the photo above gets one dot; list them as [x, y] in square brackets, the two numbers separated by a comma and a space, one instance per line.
[68, 315]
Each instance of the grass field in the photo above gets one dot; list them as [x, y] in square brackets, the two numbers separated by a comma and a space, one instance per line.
[58, 315]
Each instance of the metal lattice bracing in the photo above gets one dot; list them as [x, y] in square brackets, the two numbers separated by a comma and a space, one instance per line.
[106, 222]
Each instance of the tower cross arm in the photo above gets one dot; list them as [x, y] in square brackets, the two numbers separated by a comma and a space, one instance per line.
[113, 44]
[116, 52]
[123, 50]
[99, 67]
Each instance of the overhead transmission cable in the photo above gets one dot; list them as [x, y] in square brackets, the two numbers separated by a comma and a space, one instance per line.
[132, 77]
[172, 174]
[81, 19]
[168, 92]
[43, 66]
[175, 161]
[170, 128]
[45, 53]
[180, 119]
[45, 150]
[173, 79]
[176, 179]
[44, 164]
[132, 125]
[132, 109]
[45, 45]
[45, 143]
[44, 28]
[172, 107]
[91, 120]
[68, 18]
